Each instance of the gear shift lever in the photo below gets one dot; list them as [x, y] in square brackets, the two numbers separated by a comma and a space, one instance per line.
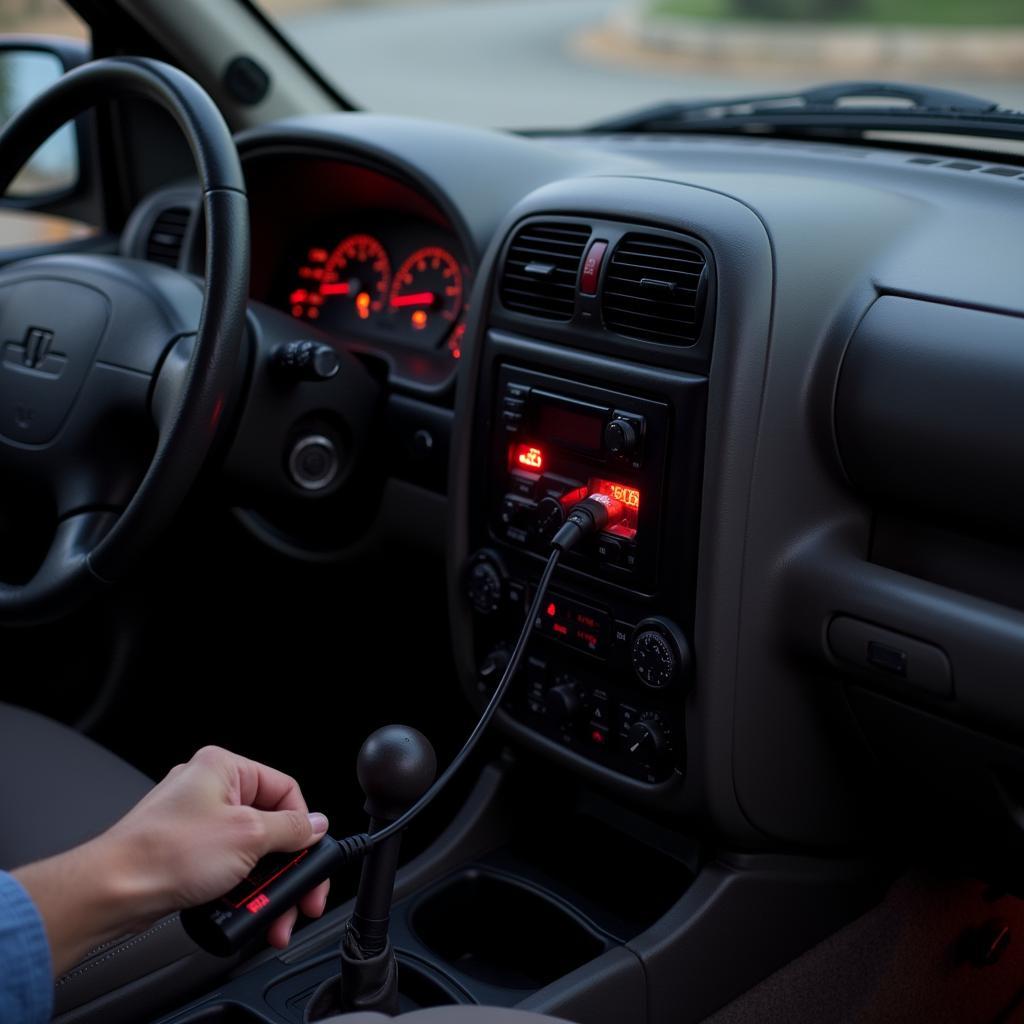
[395, 767]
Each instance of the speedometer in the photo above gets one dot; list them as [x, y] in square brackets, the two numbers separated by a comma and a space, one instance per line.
[426, 295]
[348, 283]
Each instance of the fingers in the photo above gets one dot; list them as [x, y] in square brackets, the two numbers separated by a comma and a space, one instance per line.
[312, 905]
[314, 902]
[281, 930]
[284, 831]
[258, 785]
[268, 789]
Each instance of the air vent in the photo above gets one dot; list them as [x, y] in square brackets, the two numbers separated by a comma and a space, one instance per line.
[541, 269]
[654, 290]
[167, 235]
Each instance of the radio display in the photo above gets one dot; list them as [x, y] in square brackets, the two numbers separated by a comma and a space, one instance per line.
[628, 495]
[579, 428]
[528, 457]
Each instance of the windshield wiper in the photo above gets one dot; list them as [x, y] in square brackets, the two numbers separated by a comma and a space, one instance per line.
[843, 106]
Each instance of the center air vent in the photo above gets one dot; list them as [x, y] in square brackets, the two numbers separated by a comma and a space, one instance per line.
[654, 290]
[166, 236]
[541, 268]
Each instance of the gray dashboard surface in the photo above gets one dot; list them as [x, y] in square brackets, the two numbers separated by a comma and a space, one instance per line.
[840, 225]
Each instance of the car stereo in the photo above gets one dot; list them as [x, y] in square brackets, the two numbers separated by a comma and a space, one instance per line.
[554, 442]
[606, 676]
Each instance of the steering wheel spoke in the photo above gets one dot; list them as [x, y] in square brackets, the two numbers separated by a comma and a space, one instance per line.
[65, 578]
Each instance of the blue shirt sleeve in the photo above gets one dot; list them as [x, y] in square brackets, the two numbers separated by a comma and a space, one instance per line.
[26, 979]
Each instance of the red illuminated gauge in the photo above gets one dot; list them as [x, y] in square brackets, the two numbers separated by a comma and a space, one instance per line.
[353, 279]
[427, 290]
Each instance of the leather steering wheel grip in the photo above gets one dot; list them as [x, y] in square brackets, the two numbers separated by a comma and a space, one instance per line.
[78, 562]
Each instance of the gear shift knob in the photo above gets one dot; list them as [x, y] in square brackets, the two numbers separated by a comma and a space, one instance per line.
[395, 767]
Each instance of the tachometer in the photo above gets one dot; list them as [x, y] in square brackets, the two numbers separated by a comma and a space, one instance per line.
[347, 283]
[427, 291]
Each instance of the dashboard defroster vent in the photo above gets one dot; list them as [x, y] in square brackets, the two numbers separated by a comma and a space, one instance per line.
[541, 269]
[167, 235]
[654, 290]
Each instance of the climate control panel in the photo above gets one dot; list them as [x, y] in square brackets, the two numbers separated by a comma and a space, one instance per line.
[606, 719]
[602, 686]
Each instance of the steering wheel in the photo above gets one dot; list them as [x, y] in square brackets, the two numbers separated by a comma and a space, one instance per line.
[114, 373]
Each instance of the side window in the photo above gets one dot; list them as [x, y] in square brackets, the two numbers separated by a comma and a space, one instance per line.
[39, 40]
[24, 73]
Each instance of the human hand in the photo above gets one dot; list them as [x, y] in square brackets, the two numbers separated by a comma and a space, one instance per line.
[203, 828]
[191, 839]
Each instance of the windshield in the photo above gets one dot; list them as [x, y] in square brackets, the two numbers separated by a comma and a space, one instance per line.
[563, 63]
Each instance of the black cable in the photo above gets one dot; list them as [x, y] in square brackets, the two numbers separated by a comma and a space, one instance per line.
[488, 713]
[585, 518]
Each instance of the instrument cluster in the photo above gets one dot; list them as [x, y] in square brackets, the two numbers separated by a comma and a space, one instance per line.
[395, 281]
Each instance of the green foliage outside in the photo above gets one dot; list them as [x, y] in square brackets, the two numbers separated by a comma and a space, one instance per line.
[882, 12]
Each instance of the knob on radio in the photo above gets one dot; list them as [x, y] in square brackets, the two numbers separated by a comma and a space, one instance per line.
[660, 654]
[620, 437]
[549, 517]
[563, 702]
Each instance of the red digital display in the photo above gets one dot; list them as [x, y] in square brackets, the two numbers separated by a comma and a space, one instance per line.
[249, 892]
[528, 456]
[582, 627]
[630, 498]
[254, 906]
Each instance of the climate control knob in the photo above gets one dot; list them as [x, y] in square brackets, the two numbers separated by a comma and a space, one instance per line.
[660, 653]
[491, 669]
[647, 743]
[563, 702]
[485, 583]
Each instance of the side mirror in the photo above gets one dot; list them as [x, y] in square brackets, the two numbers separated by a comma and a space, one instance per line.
[27, 67]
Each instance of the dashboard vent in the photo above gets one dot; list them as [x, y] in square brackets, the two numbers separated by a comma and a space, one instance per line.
[167, 235]
[541, 269]
[654, 290]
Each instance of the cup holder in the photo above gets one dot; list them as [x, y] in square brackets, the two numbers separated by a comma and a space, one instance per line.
[221, 1013]
[418, 989]
[502, 931]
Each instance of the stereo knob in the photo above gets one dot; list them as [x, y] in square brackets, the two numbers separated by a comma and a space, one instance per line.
[660, 655]
[620, 438]
[549, 517]
[563, 702]
[485, 584]
[647, 743]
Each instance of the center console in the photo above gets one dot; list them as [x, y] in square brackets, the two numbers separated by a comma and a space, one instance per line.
[606, 675]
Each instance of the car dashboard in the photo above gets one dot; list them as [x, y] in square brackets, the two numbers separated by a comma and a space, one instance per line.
[358, 254]
[795, 362]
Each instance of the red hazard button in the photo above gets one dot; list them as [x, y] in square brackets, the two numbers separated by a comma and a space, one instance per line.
[592, 267]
